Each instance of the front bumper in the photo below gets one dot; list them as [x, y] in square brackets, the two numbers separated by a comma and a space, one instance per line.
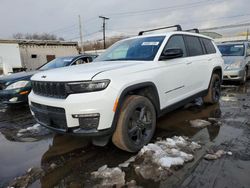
[13, 96]
[232, 75]
[60, 115]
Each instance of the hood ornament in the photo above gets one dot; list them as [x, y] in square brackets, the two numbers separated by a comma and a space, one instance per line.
[43, 76]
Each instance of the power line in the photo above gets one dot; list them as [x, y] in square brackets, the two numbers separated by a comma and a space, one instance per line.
[148, 11]
[226, 26]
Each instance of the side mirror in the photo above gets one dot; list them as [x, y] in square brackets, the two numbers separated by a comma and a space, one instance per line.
[171, 53]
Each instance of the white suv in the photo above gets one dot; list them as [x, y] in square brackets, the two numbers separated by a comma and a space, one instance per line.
[127, 87]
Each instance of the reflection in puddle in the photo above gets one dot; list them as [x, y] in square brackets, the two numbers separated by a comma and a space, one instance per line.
[75, 158]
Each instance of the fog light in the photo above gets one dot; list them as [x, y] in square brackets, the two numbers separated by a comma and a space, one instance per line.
[88, 121]
[14, 99]
[85, 115]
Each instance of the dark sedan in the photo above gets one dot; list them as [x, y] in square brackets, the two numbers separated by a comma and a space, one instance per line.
[15, 88]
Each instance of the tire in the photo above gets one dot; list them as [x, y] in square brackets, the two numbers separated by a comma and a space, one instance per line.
[136, 124]
[244, 79]
[214, 90]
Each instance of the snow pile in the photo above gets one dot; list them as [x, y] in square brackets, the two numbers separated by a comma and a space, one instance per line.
[109, 177]
[35, 130]
[199, 123]
[153, 162]
[167, 153]
[216, 155]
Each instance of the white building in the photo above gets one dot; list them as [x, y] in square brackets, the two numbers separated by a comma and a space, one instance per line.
[31, 54]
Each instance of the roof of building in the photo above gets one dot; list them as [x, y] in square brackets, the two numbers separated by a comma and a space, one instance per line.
[38, 42]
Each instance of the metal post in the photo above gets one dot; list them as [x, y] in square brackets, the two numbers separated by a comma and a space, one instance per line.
[103, 30]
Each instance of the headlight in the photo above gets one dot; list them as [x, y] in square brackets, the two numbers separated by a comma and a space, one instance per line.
[17, 85]
[235, 65]
[87, 86]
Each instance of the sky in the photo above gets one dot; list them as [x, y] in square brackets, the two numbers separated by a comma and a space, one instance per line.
[60, 17]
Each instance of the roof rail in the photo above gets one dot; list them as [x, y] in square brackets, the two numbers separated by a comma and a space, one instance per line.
[194, 29]
[178, 28]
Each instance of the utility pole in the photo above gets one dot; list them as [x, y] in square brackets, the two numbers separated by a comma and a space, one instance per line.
[103, 30]
[247, 34]
[80, 32]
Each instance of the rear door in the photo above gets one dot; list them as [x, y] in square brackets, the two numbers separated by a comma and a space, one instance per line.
[197, 64]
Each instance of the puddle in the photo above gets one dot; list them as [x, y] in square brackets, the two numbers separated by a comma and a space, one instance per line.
[69, 161]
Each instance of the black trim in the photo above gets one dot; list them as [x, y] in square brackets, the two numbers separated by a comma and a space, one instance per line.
[178, 28]
[182, 103]
[130, 89]
[174, 89]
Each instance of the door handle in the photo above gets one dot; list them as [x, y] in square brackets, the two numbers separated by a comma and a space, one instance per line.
[188, 63]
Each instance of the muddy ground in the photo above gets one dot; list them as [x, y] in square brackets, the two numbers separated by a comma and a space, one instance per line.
[38, 158]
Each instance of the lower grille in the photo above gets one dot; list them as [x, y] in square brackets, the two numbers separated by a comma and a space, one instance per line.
[53, 117]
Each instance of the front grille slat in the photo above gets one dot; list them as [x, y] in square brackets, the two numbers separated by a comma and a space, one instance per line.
[50, 89]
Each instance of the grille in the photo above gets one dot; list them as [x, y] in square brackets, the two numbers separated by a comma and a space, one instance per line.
[53, 117]
[50, 89]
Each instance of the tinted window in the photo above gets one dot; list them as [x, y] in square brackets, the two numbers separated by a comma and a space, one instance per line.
[232, 49]
[193, 45]
[176, 42]
[208, 46]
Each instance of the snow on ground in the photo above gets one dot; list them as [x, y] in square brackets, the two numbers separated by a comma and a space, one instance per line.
[33, 131]
[154, 161]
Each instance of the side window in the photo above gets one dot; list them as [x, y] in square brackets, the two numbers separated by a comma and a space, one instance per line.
[82, 61]
[193, 45]
[176, 41]
[208, 46]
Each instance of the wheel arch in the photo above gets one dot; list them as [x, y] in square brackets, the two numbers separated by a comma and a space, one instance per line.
[147, 89]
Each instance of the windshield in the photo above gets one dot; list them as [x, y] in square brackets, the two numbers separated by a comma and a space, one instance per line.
[140, 49]
[232, 49]
[57, 63]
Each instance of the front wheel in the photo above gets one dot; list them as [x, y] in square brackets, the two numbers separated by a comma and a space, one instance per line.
[136, 124]
[214, 90]
[244, 79]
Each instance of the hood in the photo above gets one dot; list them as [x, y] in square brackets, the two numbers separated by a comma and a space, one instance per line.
[232, 59]
[17, 76]
[82, 72]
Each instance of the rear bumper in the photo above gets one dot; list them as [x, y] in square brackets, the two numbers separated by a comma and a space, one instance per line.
[233, 75]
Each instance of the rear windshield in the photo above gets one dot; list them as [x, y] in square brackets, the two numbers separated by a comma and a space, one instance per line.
[232, 49]
[138, 49]
[57, 63]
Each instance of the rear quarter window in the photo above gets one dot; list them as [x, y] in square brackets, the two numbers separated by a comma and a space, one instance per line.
[209, 47]
[193, 45]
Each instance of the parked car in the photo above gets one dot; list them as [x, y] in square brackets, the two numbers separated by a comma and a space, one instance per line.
[236, 56]
[15, 88]
[126, 88]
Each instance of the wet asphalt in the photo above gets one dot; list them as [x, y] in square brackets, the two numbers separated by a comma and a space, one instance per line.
[75, 158]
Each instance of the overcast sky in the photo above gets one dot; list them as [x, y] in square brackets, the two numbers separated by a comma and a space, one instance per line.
[60, 17]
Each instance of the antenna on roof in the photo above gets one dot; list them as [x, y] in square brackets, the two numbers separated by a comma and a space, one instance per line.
[178, 28]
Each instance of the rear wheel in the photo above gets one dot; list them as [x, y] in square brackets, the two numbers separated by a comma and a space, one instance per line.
[214, 90]
[136, 124]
